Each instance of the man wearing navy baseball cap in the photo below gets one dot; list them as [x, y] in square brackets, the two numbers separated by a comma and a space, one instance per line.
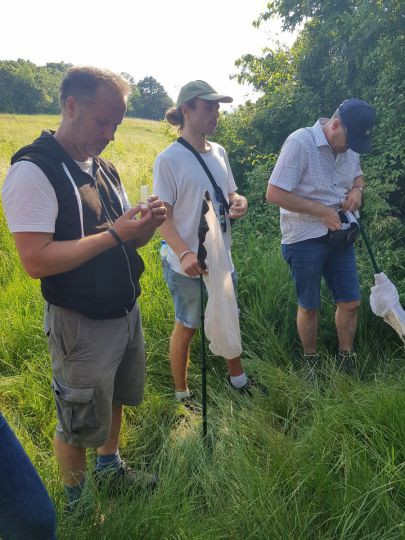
[358, 118]
[317, 178]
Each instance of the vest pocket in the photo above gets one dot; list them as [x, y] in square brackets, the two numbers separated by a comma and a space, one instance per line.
[75, 407]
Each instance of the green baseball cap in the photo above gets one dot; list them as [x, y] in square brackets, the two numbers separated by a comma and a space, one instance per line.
[202, 90]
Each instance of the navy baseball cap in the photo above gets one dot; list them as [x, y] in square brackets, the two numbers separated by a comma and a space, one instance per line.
[359, 119]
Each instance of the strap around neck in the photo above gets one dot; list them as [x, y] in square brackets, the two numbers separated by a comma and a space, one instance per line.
[218, 190]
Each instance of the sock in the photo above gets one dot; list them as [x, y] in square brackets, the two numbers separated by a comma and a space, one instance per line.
[347, 354]
[109, 461]
[181, 394]
[73, 493]
[239, 380]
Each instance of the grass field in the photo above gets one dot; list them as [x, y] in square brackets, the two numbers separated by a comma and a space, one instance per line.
[319, 459]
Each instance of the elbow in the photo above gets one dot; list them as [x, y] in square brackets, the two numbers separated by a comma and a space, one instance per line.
[32, 268]
[271, 196]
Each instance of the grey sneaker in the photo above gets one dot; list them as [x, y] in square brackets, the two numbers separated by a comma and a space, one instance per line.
[310, 360]
[346, 361]
[124, 479]
[250, 386]
[190, 403]
[309, 367]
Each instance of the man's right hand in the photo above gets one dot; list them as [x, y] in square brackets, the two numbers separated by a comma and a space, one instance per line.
[190, 266]
[330, 218]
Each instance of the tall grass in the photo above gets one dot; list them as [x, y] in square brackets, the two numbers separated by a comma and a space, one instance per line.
[316, 459]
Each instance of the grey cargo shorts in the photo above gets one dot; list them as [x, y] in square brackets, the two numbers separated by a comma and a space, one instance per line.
[94, 363]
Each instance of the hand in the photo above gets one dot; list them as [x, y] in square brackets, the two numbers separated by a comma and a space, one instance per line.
[238, 207]
[353, 200]
[190, 266]
[155, 210]
[129, 228]
[331, 219]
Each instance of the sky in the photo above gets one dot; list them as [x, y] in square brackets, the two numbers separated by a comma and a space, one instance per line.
[174, 41]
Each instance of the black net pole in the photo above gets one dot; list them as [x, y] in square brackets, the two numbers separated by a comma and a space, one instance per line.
[203, 365]
[368, 246]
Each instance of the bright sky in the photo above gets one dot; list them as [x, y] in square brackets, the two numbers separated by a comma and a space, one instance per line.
[174, 41]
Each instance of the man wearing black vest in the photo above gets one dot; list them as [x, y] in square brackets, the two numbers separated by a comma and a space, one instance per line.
[76, 231]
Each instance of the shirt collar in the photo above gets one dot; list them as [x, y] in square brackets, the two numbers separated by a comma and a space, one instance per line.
[319, 135]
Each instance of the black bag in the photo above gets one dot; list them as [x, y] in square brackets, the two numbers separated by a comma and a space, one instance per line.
[346, 236]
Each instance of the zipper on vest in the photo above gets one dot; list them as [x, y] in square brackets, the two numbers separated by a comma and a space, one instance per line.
[111, 222]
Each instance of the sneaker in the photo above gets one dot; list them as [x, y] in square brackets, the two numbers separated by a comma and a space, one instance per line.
[346, 361]
[310, 360]
[250, 386]
[119, 481]
[190, 403]
[308, 366]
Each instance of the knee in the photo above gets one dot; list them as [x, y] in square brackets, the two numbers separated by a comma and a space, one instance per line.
[349, 307]
[183, 333]
[307, 313]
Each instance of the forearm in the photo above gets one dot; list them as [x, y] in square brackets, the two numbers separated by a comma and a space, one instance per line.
[170, 233]
[55, 257]
[358, 182]
[144, 236]
[292, 202]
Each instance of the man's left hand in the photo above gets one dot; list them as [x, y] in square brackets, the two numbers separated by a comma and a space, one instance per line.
[155, 211]
[353, 200]
[238, 208]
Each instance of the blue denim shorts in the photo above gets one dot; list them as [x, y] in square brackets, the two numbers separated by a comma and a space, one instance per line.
[186, 294]
[310, 260]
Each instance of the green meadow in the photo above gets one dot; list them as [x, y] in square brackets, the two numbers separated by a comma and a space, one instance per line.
[318, 458]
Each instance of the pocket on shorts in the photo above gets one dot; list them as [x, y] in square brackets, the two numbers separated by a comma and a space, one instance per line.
[75, 407]
[66, 332]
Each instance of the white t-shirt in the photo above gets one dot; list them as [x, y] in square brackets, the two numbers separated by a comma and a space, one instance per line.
[308, 167]
[180, 181]
[29, 200]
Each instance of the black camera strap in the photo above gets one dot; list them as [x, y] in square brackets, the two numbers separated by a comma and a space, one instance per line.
[218, 191]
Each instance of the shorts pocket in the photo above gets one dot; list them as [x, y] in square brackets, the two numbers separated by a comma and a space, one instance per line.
[75, 407]
[66, 332]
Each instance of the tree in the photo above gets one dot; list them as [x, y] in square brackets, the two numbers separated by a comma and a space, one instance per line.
[27, 88]
[154, 99]
[346, 48]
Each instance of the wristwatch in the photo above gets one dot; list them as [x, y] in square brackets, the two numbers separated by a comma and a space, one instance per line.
[360, 188]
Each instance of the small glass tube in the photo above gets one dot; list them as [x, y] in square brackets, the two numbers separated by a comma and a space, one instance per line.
[144, 196]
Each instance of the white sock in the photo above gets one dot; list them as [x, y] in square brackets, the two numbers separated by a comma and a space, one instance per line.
[182, 394]
[239, 380]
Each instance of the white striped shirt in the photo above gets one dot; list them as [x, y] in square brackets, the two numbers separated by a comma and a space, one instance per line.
[308, 167]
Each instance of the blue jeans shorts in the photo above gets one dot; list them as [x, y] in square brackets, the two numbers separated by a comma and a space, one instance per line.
[186, 295]
[309, 260]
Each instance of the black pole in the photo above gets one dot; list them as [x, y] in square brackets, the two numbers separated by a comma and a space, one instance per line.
[203, 364]
[368, 246]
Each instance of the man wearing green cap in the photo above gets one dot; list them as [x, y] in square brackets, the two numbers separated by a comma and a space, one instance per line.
[181, 182]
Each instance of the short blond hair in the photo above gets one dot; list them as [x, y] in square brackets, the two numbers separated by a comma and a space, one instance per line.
[82, 82]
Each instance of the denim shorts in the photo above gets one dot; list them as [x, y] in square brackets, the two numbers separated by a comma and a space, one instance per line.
[186, 294]
[311, 259]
